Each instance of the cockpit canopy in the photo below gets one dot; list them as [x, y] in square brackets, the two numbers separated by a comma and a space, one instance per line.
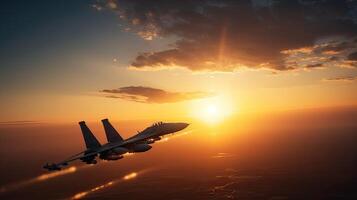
[157, 124]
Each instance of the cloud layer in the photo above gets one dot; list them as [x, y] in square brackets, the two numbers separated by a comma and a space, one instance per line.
[23, 122]
[342, 79]
[152, 95]
[225, 35]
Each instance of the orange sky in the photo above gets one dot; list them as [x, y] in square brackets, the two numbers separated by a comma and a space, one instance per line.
[100, 61]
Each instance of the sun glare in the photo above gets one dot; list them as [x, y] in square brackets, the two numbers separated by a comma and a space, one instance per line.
[212, 111]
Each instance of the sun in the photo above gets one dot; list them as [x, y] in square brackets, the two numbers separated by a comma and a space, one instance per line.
[211, 111]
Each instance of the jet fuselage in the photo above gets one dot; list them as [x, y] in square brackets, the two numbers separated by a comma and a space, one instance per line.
[117, 146]
[150, 135]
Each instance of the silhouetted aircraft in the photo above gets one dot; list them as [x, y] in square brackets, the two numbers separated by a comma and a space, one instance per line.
[117, 146]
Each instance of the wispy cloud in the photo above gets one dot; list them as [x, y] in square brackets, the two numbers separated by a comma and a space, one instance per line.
[341, 79]
[152, 95]
[317, 65]
[21, 122]
[353, 56]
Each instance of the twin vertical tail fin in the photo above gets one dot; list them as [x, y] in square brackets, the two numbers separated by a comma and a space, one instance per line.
[110, 132]
[89, 138]
[92, 142]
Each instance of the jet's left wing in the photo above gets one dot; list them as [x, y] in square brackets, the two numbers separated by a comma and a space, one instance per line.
[57, 166]
[83, 155]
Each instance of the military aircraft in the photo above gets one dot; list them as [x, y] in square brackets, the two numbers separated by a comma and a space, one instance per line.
[117, 146]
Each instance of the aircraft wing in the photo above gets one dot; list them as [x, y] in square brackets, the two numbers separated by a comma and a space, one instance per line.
[57, 166]
[76, 157]
[81, 155]
[130, 141]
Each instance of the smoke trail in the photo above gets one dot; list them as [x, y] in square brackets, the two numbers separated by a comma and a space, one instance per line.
[37, 179]
[85, 193]
[111, 183]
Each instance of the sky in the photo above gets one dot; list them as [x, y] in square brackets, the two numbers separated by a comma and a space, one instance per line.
[261, 82]
[66, 61]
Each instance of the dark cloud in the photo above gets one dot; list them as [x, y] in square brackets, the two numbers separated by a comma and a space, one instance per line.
[318, 65]
[153, 95]
[353, 56]
[329, 52]
[336, 47]
[342, 79]
[334, 58]
[225, 35]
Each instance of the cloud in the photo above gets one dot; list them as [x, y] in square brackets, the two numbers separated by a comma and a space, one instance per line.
[225, 35]
[324, 53]
[22, 122]
[353, 56]
[317, 65]
[108, 4]
[342, 79]
[153, 95]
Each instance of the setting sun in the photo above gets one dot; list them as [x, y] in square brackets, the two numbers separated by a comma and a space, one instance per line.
[211, 114]
[212, 111]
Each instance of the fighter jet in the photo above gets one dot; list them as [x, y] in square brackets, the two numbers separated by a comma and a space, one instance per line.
[117, 146]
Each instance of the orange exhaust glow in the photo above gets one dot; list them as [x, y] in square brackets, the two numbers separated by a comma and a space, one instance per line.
[167, 138]
[128, 154]
[130, 176]
[85, 193]
[55, 174]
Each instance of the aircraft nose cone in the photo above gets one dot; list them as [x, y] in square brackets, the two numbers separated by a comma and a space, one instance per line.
[183, 125]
